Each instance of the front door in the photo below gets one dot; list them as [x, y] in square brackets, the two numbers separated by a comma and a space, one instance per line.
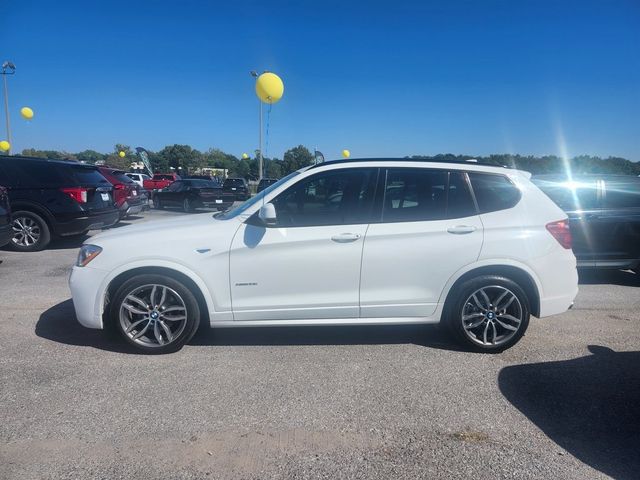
[307, 266]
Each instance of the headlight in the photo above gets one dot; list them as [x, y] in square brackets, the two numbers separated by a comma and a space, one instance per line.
[86, 254]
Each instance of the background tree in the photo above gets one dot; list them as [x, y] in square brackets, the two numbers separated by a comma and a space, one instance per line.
[296, 158]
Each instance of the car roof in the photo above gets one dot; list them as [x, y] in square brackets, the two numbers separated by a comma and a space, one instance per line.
[48, 160]
[457, 164]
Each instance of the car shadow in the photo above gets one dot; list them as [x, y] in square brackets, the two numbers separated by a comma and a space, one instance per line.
[59, 324]
[593, 276]
[589, 406]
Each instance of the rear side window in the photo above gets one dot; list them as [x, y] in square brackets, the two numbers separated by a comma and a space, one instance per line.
[415, 194]
[620, 194]
[29, 173]
[571, 196]
[493, 192]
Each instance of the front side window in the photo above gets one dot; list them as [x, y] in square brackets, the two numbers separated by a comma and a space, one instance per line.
[175, 186]
[493, 191]
[414, 195]
[336, 197]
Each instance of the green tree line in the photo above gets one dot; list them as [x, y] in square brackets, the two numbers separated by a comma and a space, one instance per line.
[187, 159]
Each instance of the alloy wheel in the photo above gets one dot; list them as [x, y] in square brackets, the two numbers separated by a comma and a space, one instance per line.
[153, 315]
[492, 315]
[26, 231]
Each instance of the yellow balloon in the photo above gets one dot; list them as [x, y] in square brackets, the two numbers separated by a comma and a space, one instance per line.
[269, 87]
[245, 156]
[122, 154]
[26, 113]
[346, 153]
[5, 146]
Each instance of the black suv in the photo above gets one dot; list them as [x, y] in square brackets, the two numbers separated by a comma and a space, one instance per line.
[604, 214]
[54, 197]
[236, 186]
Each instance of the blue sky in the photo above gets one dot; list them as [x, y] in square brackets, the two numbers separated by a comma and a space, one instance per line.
[379, 78]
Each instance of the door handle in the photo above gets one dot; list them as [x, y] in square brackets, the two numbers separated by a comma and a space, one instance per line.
[461, 229]
[345, 237]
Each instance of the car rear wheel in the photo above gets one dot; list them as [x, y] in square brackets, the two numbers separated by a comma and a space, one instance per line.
[155, 313]
[488, 313]
[30, 232]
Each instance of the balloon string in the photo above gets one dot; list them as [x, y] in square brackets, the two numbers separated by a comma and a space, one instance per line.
[266, 148]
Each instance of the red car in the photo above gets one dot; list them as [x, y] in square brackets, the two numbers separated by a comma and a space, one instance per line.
[126, 192]
[159, 181]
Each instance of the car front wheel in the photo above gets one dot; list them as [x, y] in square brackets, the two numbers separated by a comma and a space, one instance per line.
[489, 313]
[155, 313]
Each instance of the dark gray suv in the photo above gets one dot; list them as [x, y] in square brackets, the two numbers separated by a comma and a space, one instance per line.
[604, 214]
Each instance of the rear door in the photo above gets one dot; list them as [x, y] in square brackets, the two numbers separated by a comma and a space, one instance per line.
[428, 228]
[617, 225]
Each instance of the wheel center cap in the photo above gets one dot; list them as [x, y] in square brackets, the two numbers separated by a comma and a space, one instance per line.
[154, 315]
[490, 315]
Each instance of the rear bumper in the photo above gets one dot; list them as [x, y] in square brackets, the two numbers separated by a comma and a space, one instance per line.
[87, 222]
[5, 234]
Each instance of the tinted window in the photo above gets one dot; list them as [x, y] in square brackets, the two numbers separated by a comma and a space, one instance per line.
[202, 183]
[338, 197]
[493, 191]
[87, 176]
[175, 186]
[620, 194]
[571, 195]
[459, 200]
[414, 194]
[234, 182]
[33, 173]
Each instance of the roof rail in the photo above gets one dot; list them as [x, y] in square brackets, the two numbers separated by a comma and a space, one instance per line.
[470, 161]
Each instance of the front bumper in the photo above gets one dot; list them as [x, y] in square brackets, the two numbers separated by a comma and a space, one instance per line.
[85, 284]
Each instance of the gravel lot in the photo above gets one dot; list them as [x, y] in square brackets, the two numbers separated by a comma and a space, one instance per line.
[366, 402]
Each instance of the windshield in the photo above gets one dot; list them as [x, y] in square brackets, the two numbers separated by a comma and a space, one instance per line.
[234, 182]
[226, 215]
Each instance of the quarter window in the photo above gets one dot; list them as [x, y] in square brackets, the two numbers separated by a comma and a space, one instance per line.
[337, 197]
[493, 192]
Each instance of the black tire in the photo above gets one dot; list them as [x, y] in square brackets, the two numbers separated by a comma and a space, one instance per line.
[157, 203]
[39, 228]
[493, 286]
[186, 205]
[148, 344]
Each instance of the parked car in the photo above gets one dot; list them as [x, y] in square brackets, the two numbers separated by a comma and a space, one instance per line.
[604, 214]
[479, 248]
[193, 194]
[126, 192]
[159, 181]
[5, 217]
[139, 178]
[265, 182]
[54, 198]
[237, 187]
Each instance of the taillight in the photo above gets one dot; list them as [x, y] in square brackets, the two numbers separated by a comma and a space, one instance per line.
[561, 232]
[79, 194]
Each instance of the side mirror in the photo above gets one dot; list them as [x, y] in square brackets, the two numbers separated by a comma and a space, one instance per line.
[267, 214]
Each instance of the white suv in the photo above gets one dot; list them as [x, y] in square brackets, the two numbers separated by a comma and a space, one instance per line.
[357, 242]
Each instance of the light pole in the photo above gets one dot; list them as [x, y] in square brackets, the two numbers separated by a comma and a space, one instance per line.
[254, 74]
[8, 68]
